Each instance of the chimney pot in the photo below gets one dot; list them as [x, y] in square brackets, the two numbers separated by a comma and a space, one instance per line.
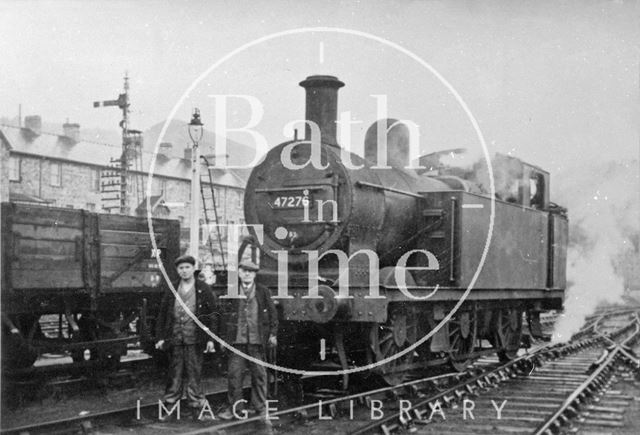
[165, 149]
[33, 123]
[72, 131]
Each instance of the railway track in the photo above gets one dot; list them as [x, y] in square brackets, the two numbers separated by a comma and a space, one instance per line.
[543, 390]
[36, 383]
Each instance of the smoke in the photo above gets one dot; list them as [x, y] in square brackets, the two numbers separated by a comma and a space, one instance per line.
[603, 210]
[463, 158]
[471, 165]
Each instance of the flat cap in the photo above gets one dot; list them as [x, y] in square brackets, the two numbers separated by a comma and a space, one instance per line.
[248, 265]
[185, 259]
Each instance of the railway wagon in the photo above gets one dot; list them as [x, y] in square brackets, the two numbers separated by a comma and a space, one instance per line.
[90, 281]
[333, 220]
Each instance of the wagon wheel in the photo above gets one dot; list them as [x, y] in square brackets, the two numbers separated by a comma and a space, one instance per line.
[17, 350]
[87, 331]
[462, 338]
[386, 340]
[92, 329]
[113, 325]
[507, 333]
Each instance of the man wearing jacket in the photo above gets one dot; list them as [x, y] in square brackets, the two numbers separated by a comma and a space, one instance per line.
[252, 327]
[182, 337]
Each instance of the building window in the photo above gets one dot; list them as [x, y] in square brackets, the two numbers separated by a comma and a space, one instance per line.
[14, 168]
[94, 179]
[91, 206]
[56, 174]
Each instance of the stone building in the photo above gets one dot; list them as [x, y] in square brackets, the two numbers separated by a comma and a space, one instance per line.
[62, 170]
[4, 161]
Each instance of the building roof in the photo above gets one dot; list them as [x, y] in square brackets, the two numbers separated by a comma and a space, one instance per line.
[30, 199]
[60, 147]
[4, 140]
[155, 200]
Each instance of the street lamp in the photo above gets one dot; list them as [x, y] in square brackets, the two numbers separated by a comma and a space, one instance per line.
[195, 133]
[195, 127]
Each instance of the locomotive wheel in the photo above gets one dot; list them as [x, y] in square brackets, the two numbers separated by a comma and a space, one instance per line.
[462, 338]
[385, 340]
[507, 333]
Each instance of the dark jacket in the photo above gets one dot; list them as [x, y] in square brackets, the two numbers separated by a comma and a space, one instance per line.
[206, 311]
[267, 316]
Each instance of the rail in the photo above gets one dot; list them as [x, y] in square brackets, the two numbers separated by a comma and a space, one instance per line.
[523, 364]
[466, 384]
[570, 407]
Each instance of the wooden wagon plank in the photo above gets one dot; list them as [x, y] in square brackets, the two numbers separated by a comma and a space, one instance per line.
[49, 262]
[47, 279]
[32, 247]
[46, 232]
[47, 217]
[113, 264]
[124, 251]
[125, 238]
[131, 223]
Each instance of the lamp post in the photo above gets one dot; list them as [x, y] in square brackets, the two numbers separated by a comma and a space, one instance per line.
[195, 133]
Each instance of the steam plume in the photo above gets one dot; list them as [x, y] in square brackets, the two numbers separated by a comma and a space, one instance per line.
[603, 212]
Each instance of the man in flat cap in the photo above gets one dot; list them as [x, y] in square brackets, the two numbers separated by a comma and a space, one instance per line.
[252, 327]
[182, 337]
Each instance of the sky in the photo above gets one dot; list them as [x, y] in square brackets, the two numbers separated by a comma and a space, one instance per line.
[552, 82]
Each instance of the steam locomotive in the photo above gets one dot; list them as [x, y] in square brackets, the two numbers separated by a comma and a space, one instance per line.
[376, 256]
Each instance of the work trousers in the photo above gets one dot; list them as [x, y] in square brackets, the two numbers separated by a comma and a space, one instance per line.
[184, 376]
[237, 367]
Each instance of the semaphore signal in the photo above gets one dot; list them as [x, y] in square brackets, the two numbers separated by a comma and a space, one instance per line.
[131, 157]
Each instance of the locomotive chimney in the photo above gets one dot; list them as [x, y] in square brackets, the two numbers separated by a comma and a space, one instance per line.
[322, 106]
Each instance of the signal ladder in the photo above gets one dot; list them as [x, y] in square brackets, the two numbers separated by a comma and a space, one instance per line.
[210, 208]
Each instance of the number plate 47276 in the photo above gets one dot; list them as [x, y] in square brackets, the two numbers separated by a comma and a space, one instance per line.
[289, 201]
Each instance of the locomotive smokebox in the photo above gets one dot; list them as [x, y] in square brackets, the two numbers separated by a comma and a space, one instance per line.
[322, 106]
